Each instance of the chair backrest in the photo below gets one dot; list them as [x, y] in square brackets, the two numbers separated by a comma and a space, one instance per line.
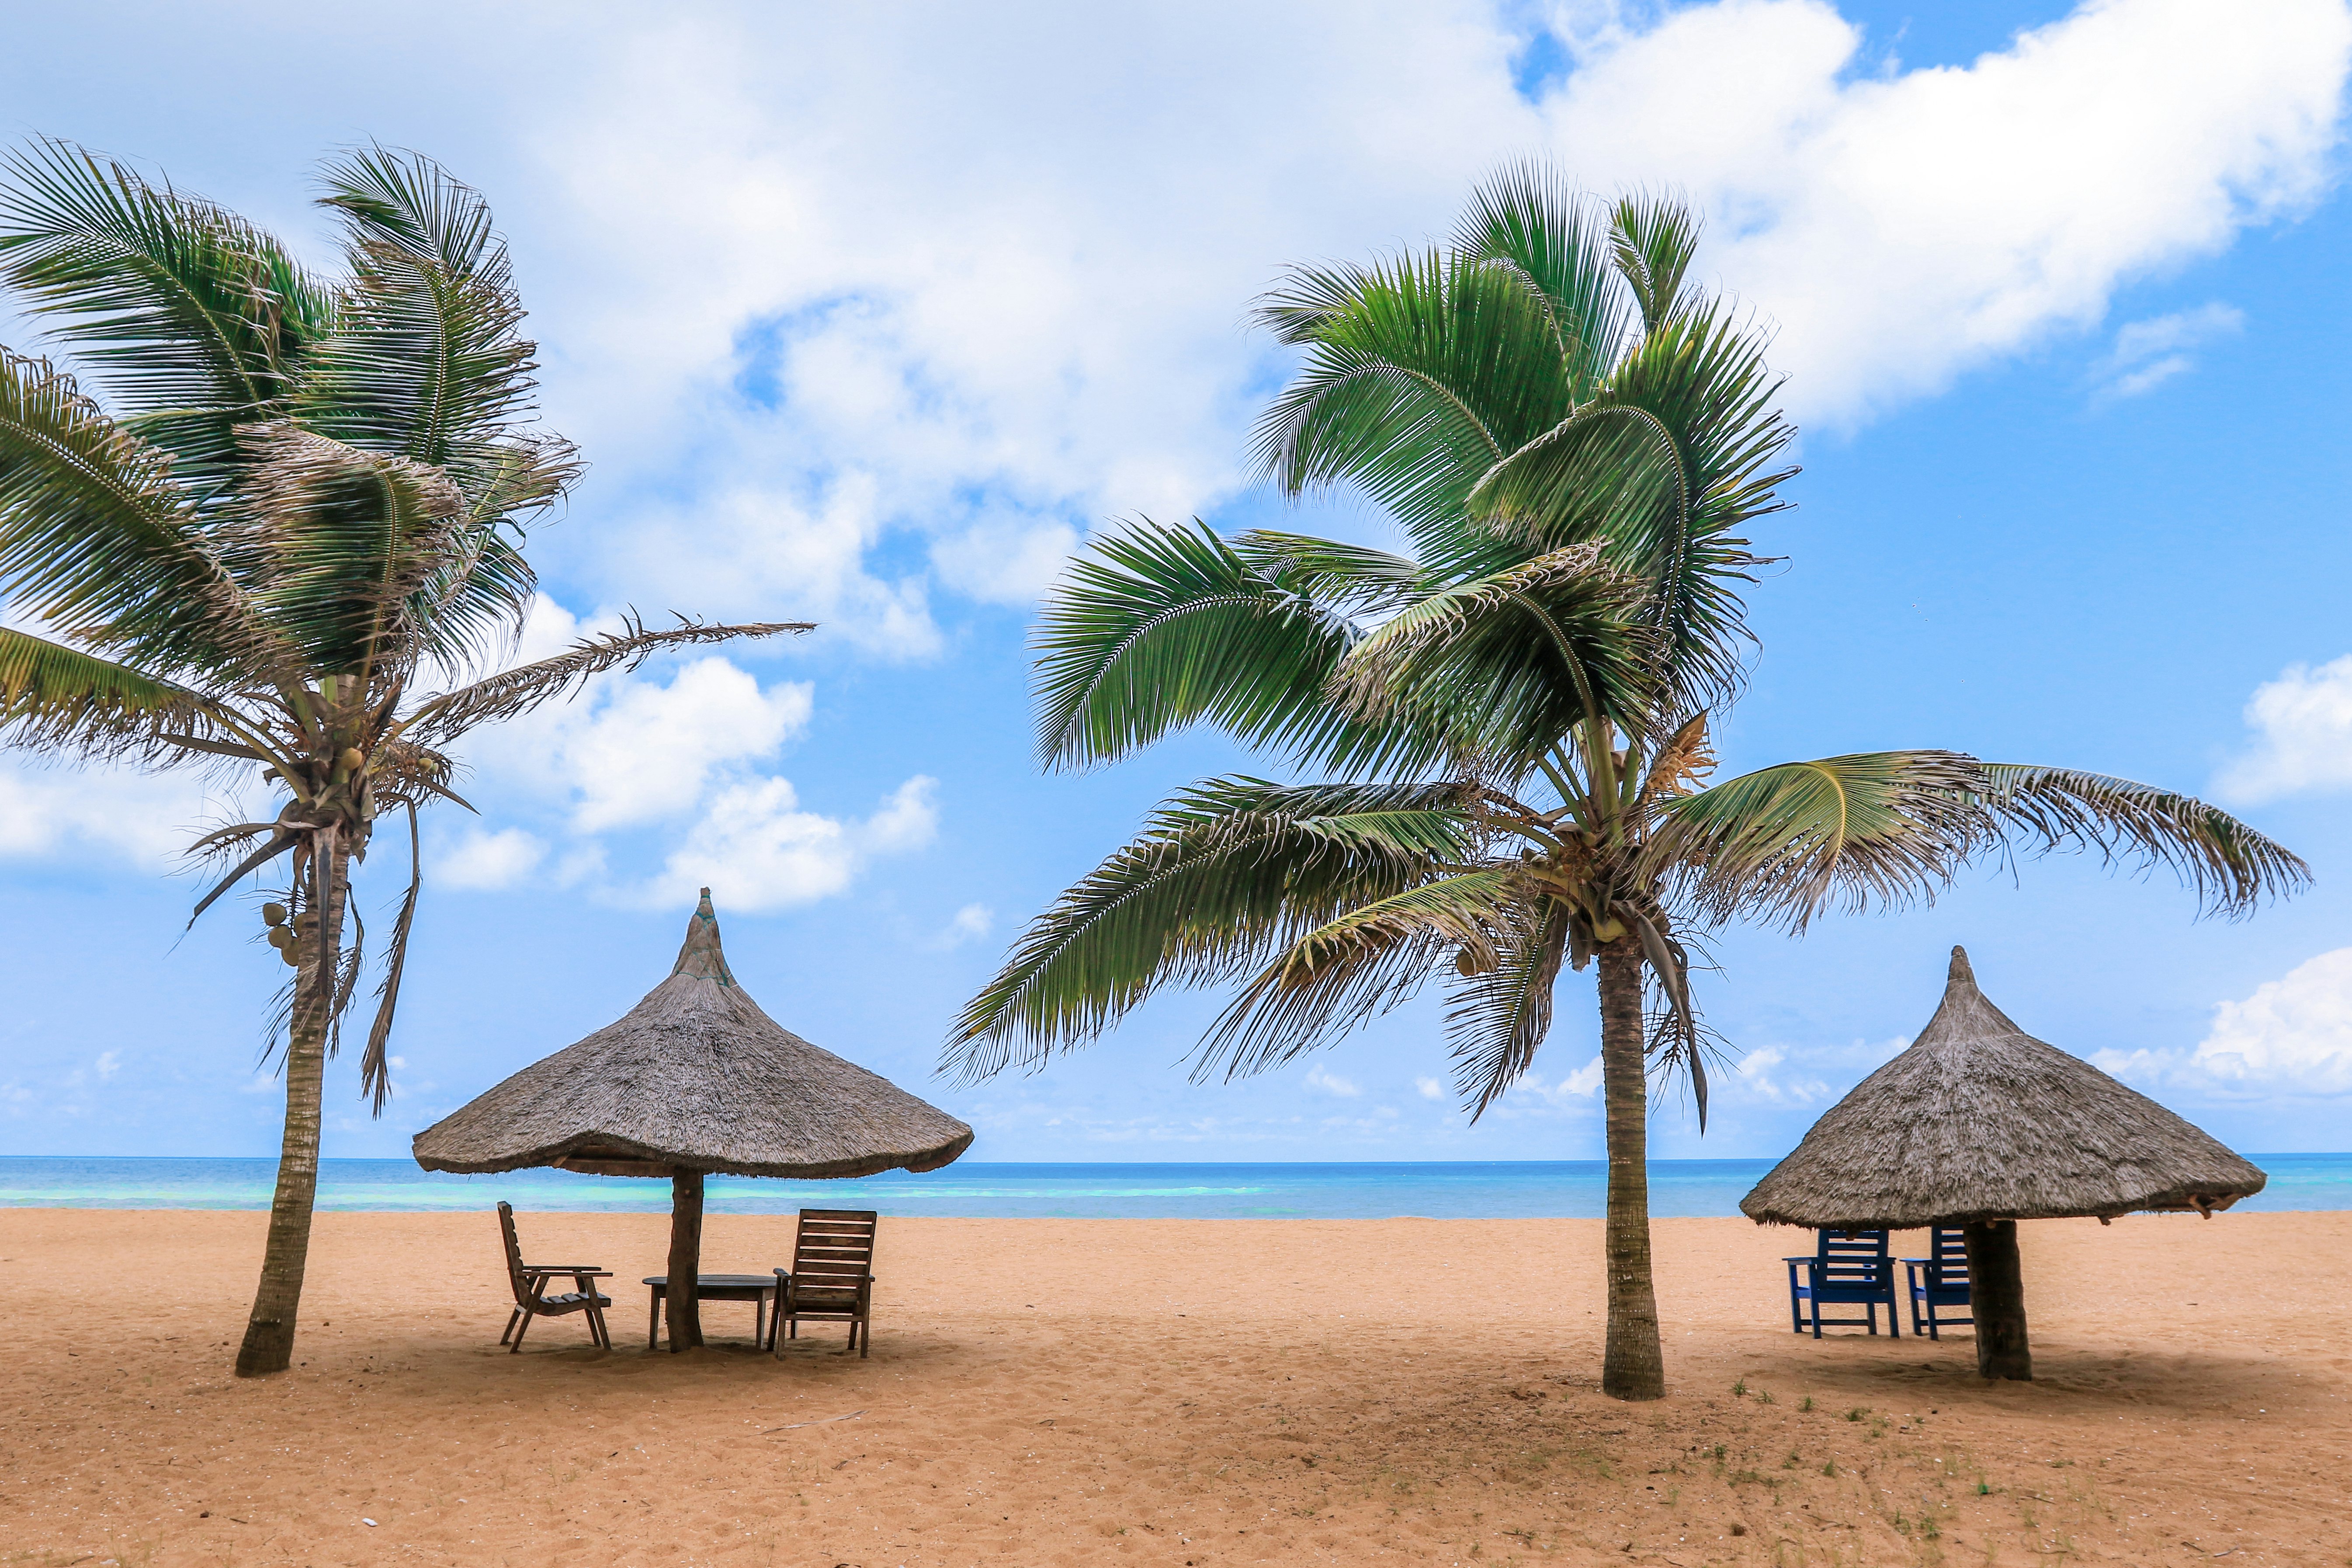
[1850, 1256]
[834, 1250]
[1948, 1260]
[514, 1253]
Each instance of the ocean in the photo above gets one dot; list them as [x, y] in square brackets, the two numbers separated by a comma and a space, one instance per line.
[1467, 1189]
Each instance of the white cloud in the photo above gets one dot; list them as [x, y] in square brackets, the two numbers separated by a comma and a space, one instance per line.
[1904, 226]
[631, 750]
[1428, 1087]
[2303, 735]
[109, 1063]
[2291, 1037]
[1331, 1083]
[486, 861]
[757, 850]
[1573, 1089]
[2151, 353]
[148, 819]
[970, 923]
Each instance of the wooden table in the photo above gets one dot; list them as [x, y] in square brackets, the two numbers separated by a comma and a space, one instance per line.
[760, 1290]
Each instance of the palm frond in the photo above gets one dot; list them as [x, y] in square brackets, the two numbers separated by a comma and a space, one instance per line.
[2229, 866]
[1162, 627]
[1782, 844]
[1420, 373]
[1349, 970]
[375, 1062]
[335, 542]
[1498, 1016]
[1653, 241]
[516, 692]
[95, 533]
[1531, 220]
[425, 361]
[1666, 463]
[1517, 659]
[58, 698]
[1223, 874]
[192, 318]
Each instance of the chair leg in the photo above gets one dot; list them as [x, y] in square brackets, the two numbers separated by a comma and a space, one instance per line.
[652, 1317]
[512, 1318]
[865, 1337]
[521, 1328]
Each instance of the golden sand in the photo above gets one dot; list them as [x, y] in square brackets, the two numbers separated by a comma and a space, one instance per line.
[1165, 1391]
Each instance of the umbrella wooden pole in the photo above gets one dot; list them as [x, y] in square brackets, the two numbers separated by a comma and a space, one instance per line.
[681, 1307]
[1996, 1300]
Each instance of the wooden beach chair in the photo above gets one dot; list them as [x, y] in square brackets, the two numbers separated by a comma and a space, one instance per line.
[1939, 1282]
[829, 1279]
[528, 1281]
[1848, 1268]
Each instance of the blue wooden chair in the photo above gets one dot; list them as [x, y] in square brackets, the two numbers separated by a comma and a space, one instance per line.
[1850, 1269]
[1939, 1282]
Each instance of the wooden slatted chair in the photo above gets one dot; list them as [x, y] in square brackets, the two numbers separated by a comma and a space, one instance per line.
[1939, 1281]
[532, 1300]
[829, 1279]
[1850, 1267]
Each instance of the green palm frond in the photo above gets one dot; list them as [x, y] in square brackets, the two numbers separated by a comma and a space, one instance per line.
[59, 699]
[1782, 844]
[1345, 971]
[425, 361]
[1652, 242]
[192, 319]
[1421, 372]
[1164, 627]
[1531, 221]
[1223, 874]
[336, 542]
[1498, 1015]
[517, 691]
[1349, 579]
[94, 533]
[1671, 458]
[1517, 660]
[2229, 866]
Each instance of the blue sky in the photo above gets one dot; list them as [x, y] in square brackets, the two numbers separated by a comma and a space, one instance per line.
[867, 315]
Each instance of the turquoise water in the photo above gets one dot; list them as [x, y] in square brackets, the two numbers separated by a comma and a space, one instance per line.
[1489, 1189]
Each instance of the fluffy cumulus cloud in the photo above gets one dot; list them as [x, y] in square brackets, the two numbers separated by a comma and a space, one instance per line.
[2302, 735]
[673, 762]
[852, 310]
[2292, 1037]
[755, 840]
[1904, 226]
[146, 819]
[483, 860]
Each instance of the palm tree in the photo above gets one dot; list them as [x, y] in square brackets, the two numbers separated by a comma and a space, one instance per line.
[1517, 710]
[291, 538]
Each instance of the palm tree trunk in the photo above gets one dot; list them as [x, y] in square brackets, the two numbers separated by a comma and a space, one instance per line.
[269, 1333]
[1633, 1366]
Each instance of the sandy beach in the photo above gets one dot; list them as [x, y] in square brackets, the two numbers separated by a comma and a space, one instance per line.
[1166, 1392]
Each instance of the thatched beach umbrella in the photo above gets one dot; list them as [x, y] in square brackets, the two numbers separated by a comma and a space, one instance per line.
[1978, 1124]
[695, 1079]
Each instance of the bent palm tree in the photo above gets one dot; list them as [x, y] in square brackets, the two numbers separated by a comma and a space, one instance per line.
[304, 511]
[1569, 436]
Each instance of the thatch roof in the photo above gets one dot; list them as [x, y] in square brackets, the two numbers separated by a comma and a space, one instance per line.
[696, 1077]
[1977, 1120]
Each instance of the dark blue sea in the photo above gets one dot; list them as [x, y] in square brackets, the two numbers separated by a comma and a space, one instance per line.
[1481, 1190]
